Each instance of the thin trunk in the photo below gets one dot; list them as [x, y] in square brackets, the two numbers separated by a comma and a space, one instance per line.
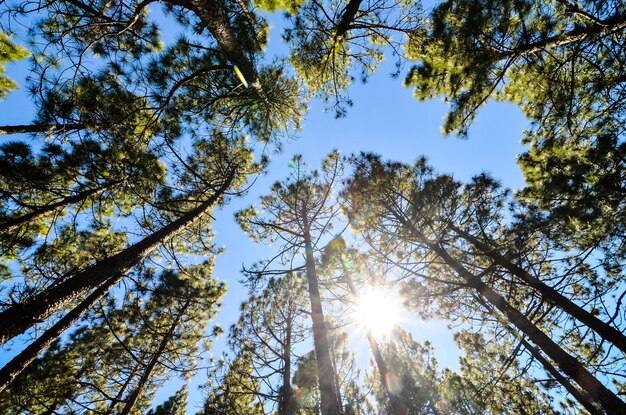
[39, 128]
[20, 317]
[566, 362]
[607, 332]
[286, 404]
[19, 221]
[580, 395]
[330, 399]
[20, 362]
[397, 407]
[145, 376]
[120, 393]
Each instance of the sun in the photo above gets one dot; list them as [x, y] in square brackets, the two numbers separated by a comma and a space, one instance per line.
[378, 310]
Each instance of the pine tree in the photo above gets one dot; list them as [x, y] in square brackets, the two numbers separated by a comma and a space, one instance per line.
[300, 213]
[562, 63]
[270, 328]
[8, 52]
[492, 379]
[174, 405]
[87, 178]
[167, 84]
[219, 166]
[235, 391]
[473, 51]
[332, 43]
[403, 206]
[114, 362]
[413, 378]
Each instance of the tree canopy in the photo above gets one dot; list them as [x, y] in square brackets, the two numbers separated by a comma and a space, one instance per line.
[145, 118]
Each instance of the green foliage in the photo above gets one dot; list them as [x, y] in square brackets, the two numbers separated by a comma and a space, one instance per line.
[142, 133]
[486, 359]
[9, 52]
[473, 51]
[85, 179]
[417, 382]
[103, 28]
[235, 391]
[142, 137]
[290, 6]
[302, 195]
[174, 405]
[270, 328]
[409, 215]
[104, 106]
[106, 359]
[333, 43]
[562, 63]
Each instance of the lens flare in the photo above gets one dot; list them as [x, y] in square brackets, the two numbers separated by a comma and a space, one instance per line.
[394, 384]
[240, 76]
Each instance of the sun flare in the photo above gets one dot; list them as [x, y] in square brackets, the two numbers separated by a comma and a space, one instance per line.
[378, 310]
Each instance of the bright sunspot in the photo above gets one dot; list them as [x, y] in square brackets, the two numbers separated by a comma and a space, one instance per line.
[378, 310]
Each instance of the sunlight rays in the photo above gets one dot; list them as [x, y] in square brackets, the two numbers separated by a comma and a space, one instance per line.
[378, 310]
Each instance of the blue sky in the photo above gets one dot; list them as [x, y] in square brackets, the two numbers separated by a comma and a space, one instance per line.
[385, 119]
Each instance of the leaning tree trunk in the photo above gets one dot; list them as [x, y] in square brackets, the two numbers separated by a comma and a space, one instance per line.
[581, 396]
[567, 363]
[20, 362]
[347, 17]
[20, 317]
[598, 30]
[38, 128]
[16, 222]
[330, 399]
[606, 331]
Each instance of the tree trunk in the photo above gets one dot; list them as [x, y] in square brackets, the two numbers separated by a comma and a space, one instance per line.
[19, 221]
[581, 396]
[145, 376]
[347, 17]
[38, 128]
[214, 16]
[577, 393]
[603, 329]
[330, 399]
[20, 362]
[397, 407]
[20, 317]
[122, 390]
[606, 27]
[286, 403]
[566, 362]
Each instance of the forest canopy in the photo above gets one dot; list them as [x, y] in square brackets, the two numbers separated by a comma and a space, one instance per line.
[152, 125]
